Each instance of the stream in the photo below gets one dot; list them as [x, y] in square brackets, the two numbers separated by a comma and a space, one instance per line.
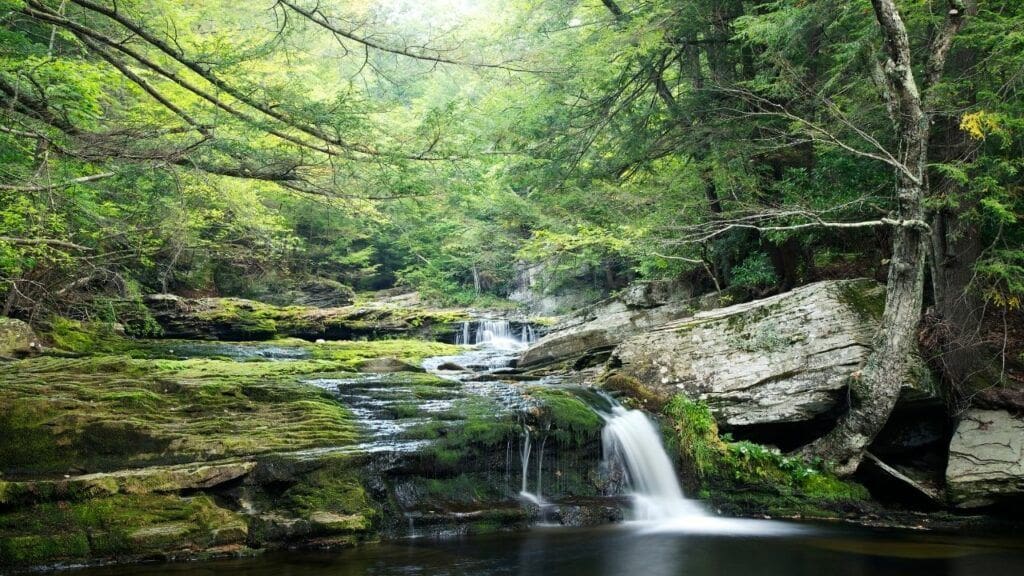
[664, 533]
[619, 550]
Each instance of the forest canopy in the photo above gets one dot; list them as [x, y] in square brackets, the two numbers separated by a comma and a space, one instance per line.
[239, 148]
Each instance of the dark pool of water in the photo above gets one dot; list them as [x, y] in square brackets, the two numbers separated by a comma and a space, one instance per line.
[629, 552]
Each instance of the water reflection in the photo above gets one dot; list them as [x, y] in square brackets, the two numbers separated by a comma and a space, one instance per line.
[632, 550]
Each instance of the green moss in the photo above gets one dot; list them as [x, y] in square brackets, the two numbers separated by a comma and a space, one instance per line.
[470, 432]
[865, 297]
[696, 435]
[116, 526]
[103, 413]
[350, 354]
[721, 468]
[257, 320]
[83, 337]
[334, 487]
[572, 421]
[632, 390]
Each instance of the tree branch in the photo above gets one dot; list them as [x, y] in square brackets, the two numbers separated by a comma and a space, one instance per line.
[65, 184]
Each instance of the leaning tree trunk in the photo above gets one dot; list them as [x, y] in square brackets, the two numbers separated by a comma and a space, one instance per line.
[875, 389]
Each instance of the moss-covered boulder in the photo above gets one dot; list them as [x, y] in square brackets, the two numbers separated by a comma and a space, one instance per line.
[783, 359]
[16, 338]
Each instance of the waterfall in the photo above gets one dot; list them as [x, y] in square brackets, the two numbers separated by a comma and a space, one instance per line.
[497, 334]
[632, 443]
[463, 338]
[524, 459]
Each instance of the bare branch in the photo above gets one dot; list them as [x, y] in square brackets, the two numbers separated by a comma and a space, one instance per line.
[43, 241]
[65, 184]
[317, 16]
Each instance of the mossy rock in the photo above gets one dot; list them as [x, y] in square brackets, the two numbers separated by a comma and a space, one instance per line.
[240, 319]
[121, 527]
[60, 416]
[16, 338]
[737, 472]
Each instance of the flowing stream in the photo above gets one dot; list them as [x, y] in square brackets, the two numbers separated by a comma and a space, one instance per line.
[667, 534]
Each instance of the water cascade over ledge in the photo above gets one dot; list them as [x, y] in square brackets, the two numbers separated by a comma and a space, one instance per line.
[497, 334]
[632, 444]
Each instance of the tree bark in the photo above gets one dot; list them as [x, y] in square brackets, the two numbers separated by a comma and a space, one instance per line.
[956, 246]
[875, 389]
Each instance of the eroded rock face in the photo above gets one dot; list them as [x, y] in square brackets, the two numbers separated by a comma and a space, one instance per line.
[986, 458]
[782, 359]
[602, 326]
[16, 338]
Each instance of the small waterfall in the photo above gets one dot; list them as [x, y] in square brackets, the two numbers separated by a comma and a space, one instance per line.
[524, 459]
[463, 337]
[497, 334]
[632, 443]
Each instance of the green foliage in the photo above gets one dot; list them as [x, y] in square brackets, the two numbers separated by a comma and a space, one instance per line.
[755, 271]
[721, 466]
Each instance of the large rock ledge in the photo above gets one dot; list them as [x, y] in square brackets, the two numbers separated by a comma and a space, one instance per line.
[782, 359]
[240, 319]
[986, 458]
[606, 324]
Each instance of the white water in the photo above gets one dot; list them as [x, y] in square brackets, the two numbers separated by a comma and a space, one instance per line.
[524, 460]
[496, 334]
[631, 441]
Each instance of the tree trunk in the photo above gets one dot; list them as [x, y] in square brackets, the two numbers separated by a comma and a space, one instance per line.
[875, 389]
[956, 246]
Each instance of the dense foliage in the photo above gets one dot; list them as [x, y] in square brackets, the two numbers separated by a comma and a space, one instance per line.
[456, 147]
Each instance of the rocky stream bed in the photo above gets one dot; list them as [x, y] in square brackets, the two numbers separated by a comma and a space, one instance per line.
[118, 450]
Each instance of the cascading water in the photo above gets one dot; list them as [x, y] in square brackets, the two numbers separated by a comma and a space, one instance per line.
[496, 334]
[631, 443]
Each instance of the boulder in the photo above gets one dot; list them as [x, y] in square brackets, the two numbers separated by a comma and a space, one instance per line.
[782, 359]
[323, 293]
[386, 366]
[986, 458]
[16, 338]
[606, 324]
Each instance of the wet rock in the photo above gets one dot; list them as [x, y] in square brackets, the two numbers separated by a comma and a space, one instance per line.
[386, 366]
[16, 338]
[451, 367]
[332, 522]
[782, 359]
[151, 480]
[596, 513]
[986, 459]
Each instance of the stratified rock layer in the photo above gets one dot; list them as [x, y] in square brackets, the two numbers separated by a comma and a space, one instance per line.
[240, 319]
[604, 325]
[986, 458]
[782, 359]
